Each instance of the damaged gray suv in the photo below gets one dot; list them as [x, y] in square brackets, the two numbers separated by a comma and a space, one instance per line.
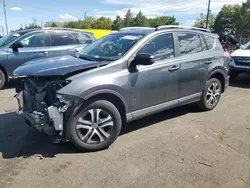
[122, 77]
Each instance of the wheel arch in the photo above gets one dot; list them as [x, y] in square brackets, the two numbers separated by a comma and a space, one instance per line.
[220, 75]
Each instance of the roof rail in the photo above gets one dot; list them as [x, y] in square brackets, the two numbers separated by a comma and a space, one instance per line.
[134, 28]
[181, 27]
[62, 28]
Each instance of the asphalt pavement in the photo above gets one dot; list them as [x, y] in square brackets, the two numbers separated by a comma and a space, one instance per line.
[180, 148]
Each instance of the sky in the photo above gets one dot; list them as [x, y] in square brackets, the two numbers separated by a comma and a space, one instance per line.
[22, 11]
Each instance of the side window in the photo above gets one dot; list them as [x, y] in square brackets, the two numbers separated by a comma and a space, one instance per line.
[189, 43]
[161, 47]
[210, 41]
[203, 44]
[82, 38]
[61, 38]
[34, 40]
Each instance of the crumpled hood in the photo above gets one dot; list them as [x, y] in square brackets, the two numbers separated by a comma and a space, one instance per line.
[241, 53]
[54, 66]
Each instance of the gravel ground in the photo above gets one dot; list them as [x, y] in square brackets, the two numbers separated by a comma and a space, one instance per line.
[179, 148]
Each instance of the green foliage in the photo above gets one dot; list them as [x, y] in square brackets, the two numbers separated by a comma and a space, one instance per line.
[234, 19]
[128, 20]
[162, 20]
[201, 21]
[117, 23]
[140, 20]
[102, 23]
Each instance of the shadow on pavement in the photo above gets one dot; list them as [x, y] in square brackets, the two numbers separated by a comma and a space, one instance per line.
[19, 140]
[243, 81]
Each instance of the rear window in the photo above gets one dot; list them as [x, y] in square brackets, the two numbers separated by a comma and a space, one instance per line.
[189, 43]
[210, 41]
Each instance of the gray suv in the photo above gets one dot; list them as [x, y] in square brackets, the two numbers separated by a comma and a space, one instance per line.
[22, 46]
[122, 77]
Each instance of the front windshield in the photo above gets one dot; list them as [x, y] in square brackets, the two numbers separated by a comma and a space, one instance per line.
[111, 47]
[9, 38]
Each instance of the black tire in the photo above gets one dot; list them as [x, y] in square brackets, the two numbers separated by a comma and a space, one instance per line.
[234, 74]
[2, 79]
[74, 134]
[204, 102]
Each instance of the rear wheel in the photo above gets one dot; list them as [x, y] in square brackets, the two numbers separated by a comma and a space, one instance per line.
[95, 127]
[2, 79]
[211, 94]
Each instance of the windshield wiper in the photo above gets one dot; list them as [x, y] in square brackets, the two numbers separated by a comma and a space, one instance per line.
[86, 58]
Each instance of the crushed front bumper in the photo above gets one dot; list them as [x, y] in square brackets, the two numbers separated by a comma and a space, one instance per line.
[38, 119]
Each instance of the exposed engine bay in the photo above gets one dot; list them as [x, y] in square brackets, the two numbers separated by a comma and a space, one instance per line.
[40, 104]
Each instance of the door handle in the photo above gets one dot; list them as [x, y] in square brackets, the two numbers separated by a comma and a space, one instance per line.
[173, 68]
[43, 53]
[208, 62]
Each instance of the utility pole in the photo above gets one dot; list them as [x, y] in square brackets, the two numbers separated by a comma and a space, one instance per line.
[208, 11]
[4, 9]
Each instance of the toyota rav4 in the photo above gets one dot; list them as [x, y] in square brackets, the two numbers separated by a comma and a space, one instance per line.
[122, 77]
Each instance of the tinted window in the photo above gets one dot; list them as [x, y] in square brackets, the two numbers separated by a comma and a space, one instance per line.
[61, 38]
[34, 40]
[189, 43]
[203, 44]
[210, 41]
[82, 38]
[161, 47]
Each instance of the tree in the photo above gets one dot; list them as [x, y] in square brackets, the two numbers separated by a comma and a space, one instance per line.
[128, 20]
[53, 24]
[162, 20]
[102, 23]
[234, 20]
[140, 20]
[201, 21]
[88, 22]
[117, 23]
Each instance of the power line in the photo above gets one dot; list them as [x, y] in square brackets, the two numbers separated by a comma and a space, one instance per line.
[4, 9]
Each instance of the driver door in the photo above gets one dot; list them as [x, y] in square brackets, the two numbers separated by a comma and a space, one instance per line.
[158, 83]
[31, 47]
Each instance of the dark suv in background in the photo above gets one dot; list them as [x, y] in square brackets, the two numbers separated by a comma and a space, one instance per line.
[122, 77]
[22, 46]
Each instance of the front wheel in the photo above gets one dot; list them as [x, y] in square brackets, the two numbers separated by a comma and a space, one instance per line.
[2, 79]
[95, 127]
[211, 94]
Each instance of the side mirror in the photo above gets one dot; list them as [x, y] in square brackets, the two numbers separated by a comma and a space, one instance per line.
[16, 45]
[143, 59]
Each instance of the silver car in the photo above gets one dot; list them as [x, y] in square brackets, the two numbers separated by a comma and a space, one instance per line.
[25, 45]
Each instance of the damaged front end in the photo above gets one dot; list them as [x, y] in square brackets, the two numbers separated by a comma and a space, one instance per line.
[41, 105]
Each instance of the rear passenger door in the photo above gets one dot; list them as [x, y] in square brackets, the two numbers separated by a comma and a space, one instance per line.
[191, 48]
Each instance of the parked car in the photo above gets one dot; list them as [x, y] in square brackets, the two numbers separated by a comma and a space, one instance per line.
[22, 46]
[99, 33]
[122, 77]
[240, 61]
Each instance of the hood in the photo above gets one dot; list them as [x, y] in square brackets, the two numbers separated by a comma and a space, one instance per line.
[241, 53]
[54, 66]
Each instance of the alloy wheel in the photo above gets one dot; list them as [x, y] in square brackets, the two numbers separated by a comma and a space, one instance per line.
[213, 94]
[94, 126]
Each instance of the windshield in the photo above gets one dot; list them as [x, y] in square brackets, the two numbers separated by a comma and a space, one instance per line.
[9, 38]
[111, 47]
